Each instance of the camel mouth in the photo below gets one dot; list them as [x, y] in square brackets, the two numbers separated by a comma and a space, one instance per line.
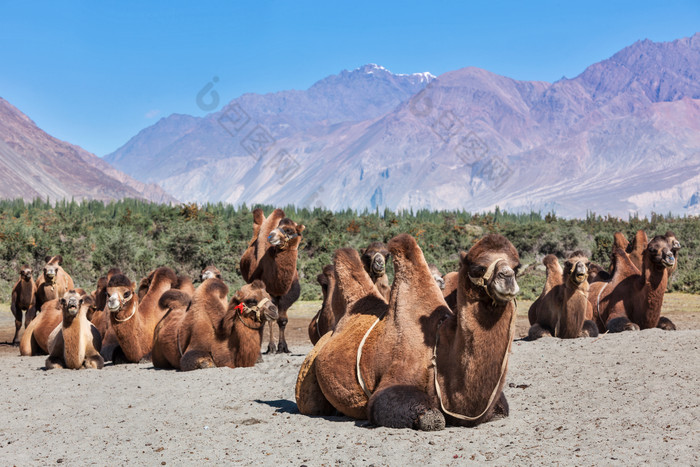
[274, 241]
[113, 307]
[440, 282]
[271, 313]
[668, 262]
[207, 275]
[580, 277]
[72, 309]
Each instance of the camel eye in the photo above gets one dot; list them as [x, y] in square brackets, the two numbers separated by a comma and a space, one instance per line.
[127, 294]
[478, 271]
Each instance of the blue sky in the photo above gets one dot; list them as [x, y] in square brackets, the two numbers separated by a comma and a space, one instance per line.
[96, 74]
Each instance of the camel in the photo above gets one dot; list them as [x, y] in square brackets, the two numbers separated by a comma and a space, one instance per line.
[210, 272]
[437, 276]
[675, 247]
[413, 363]
[132, 320]
[632, 300]
[75, 343]
[271, 256]
[35, 340]
[53, 282]
[563, 310]
[374, 259]
[325, 320]
[209, 334]
[23, 300]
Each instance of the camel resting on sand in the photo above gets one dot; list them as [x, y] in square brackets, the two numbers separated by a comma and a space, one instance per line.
[413, 363]
[75, 343]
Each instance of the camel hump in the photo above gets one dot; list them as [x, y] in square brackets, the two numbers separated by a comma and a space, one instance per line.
[620, 241]
[623, 265]
[216, 287]
[552, 264]
[403, 247]
[58, 259]
[165, 274]
[351, 278]
[258, 216]
[119, 280]
[173, 299]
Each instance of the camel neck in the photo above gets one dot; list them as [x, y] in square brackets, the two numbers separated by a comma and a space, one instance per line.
[244, 343]
[73, 350]
[572, 314]
[128, 330]
[652, 285]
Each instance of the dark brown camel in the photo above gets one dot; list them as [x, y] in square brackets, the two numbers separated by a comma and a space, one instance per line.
[23, 300]
[563, 310]
[272, 258]
[420, 363]
[75, 343]
[53, 282]
[209, 334]
[325, 319]
[632, 300]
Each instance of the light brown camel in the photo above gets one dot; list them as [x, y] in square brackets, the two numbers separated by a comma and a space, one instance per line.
[325, 320]
[374, 259]
[210, 334]
[53, 282]
[272, 258]
[420, 363]
[632, 300]
[132, 320]
[75, 343]
[35, 340]
[562, 309]
[23, 300]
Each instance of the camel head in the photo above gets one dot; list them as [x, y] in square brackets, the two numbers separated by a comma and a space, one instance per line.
[576, 268]
[673, 241]
[286, 235]
[437, 276]
[120, 291]
[72, 301]
[491, 266]
[660, 253]
[25, 273]
[209, 272]
[326, 279]
[253, 302]
[53, 264]
[374, 259]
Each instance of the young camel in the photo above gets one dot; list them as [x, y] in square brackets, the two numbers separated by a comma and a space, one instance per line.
[272, 257]
[53, 283]
[208, 335]
[325, 320]
[132, 320]
[35, 340]
[563, 310]
[75, 343]
[419, 364]
[23, 300]
[632, 300]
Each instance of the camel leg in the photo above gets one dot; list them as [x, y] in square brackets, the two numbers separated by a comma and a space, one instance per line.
[404, 407]
[29, 316]
[621, 324]
[536, 331]
[284, 303]
[282, 324]
[94, 361]
[18, 324]
[118, 356]
[53, 362]
[55, 359]
[590, 329]
[666, 324]
[501, 409]
[196, 360]
[271, 348]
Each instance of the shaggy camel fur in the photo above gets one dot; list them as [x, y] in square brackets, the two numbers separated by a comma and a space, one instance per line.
[374, 259]
[632, 300]
[208, 334]
[23, 300]
[132, 320]
[449, 292]
[53, 282]
[272, 257]
[75, 343]
[420, 363]
[35, 340]
[325, 319]
[563, 310]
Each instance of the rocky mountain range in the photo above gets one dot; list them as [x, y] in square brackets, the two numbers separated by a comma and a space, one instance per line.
[34, 164]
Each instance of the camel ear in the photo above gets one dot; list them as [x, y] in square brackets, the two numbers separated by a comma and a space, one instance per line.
[47, 259]
[258, 284]
[59, 259]
[363, 251]
[300, 228]
[462, 257]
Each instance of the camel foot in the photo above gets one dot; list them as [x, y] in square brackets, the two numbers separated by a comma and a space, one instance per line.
[501, 409]
[118, 357]
[94, 363]
[260, 358]
[590, 329]
[536, 331]
[271, 348]
[666, 324]
[621, 324]
[53, 363]
[282, 347]
[432, 420]
[15, 343]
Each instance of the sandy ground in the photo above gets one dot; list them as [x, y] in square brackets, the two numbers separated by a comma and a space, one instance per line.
[629, 398]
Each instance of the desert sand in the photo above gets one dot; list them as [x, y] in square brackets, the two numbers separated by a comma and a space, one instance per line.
[629, 398]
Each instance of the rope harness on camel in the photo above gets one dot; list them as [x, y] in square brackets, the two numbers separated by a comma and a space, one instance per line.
[243, 308]
[122, 301]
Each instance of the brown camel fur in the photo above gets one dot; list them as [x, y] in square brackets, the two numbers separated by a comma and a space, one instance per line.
[132, 320]
[437, 275]
[35, 340]
[325, 319]
[53, 283]
[100, 317]
[209, 334]
[675, 247]
[75, 343]
[210, 272]
[23, 300]
[374, 259]
[272, 258]
[471, 350]
[563, 310]
[632, 300]
[450, 291]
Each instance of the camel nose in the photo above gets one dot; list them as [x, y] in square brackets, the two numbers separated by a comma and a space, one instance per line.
[506, 272]
[113, 302]
[580, 268]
